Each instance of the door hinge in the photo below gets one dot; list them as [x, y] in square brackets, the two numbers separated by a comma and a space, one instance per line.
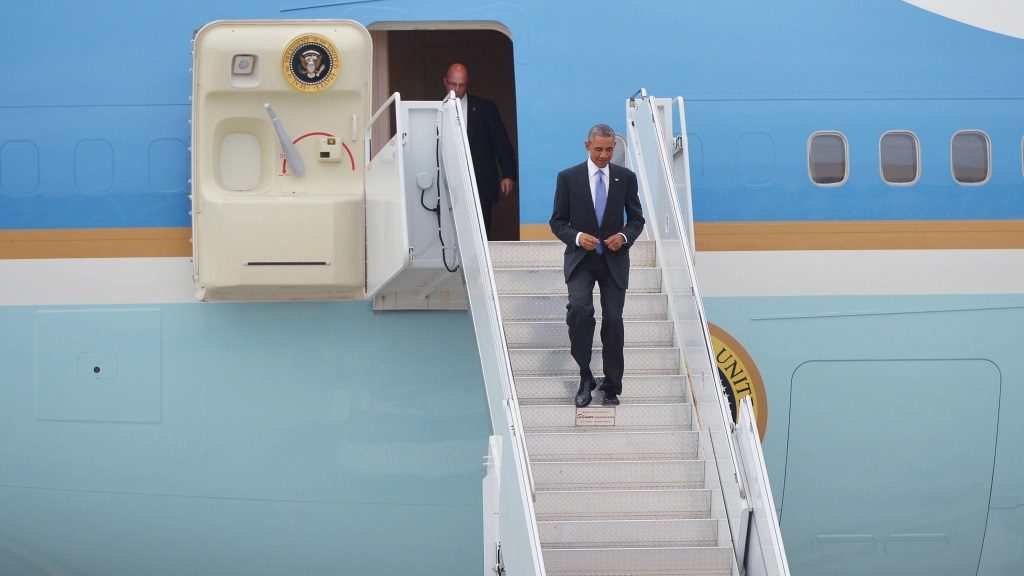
[499, 563]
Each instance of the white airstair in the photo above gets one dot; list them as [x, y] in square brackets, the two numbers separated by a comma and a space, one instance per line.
[665, 483]
[621, 490]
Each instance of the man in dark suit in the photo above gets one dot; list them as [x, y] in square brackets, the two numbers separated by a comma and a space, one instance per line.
[489, 144]
[597, 215]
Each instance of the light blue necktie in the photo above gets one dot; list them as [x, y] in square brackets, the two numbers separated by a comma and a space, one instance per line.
[600, 200]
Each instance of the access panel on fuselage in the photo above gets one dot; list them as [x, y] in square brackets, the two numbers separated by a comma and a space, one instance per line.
[890, 464]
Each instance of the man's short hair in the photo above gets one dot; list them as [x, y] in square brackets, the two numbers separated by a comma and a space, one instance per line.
[602, 130]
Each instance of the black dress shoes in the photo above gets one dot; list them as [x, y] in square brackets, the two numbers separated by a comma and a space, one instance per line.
[611, 399]
[583, 396]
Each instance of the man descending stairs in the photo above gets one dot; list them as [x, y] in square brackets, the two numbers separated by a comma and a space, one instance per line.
[620, 489]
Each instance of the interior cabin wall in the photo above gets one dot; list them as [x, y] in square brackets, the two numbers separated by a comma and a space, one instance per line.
[417, 62]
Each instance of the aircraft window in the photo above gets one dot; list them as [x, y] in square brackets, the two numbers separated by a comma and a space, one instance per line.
[971, 158]
[828, 158]
[899, 155]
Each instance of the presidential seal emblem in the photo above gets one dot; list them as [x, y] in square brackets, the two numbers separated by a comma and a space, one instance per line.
[739, 376]
[311, 63]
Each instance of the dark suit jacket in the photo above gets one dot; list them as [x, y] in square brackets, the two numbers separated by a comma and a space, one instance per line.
[574, 212]
[489, 145]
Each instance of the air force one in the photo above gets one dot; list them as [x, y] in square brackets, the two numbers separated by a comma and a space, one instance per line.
[250, 323]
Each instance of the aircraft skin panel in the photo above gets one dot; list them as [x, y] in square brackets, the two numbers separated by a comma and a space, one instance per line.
[910, 476]
[203, 535]
[96, 281]
[966, 346]
[264, 434]
[860, 272]
[773, 183]
[124, 281]
[52, 179]
[859, 81]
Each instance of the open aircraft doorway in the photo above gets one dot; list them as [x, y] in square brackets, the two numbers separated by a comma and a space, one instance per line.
[412, 58]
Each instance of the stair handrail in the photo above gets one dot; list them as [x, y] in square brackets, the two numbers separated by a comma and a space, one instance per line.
[764, 517]
[739, 540]
[373, 282]
[478, 272]
[659, 241]
[676, 215]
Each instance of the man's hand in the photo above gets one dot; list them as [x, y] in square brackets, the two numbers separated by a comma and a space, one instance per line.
[588, 242]
[614, 242]
[507, 184]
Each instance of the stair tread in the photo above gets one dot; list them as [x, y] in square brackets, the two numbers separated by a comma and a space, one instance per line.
[561, 323]
[558, 267]
[616, 533]
[609, 504]
[614, 446]
[551, 253]
[631, 490]
[634, 561]
[562, 417]
[539, 280]
[637, 389]
[597, 347]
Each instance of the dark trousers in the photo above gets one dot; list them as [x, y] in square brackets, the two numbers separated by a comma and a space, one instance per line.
[580, 319]
[486, 210]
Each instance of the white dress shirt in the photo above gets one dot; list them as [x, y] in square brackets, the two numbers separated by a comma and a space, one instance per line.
[592, 170]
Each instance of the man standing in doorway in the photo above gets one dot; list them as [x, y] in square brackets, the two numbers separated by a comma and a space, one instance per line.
[488, 143]
[597, 215]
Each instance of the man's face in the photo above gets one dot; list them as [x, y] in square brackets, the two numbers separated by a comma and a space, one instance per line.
[457, 80]
[600, 149]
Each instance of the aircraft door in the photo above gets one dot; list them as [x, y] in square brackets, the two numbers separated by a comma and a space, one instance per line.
[278, 114]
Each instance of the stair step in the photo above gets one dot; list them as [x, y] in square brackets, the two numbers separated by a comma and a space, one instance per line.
[558, 361]
[550, 253]
[622, 504]
[626, 474]
[551, 307]
[636, 389]
[556, 534]
[705, 561]
[623, 446]
[555, 334]
[562, 418]
[552, 281]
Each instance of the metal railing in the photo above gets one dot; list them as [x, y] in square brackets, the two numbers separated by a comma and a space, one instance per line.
[520, 541]
[673, 240]
[387, 230]
[766, 555]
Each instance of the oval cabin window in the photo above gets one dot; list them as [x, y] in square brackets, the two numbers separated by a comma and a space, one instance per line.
[971, 156]
[828, 158]
[899, 155]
